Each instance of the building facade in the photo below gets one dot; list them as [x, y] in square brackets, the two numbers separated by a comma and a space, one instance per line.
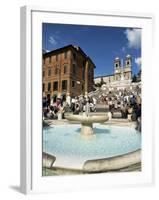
[122, 73]
[67, 71]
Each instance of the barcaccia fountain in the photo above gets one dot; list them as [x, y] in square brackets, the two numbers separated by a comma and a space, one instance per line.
[87, 121]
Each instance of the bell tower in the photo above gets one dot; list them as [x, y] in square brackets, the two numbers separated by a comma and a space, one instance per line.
[117, 69]
[128, 61]
[128, 68]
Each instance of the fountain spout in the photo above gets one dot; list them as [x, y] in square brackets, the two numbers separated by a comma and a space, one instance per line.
[87, 109]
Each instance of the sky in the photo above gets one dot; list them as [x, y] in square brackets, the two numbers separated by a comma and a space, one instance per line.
[101, 43]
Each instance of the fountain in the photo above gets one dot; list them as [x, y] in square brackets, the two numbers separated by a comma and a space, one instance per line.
[87, 121]
[75, 148]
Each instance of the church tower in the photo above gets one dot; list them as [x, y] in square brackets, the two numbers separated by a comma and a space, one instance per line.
[117, 69]
[128, 68]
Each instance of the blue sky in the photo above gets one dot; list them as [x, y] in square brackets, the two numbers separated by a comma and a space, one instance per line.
[101, 43]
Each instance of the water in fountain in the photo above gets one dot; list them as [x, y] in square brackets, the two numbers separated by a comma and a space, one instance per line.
[71, 150]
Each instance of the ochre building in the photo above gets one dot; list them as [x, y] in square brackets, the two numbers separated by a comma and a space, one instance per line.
[67, 71]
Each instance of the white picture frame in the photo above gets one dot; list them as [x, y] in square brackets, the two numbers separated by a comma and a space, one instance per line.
[31, 91]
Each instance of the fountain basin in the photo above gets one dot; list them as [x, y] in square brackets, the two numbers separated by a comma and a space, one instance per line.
[128, 162]
[87, 119]
[87, 122]
[72, 152]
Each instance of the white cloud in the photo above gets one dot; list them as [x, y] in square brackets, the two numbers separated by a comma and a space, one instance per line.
[52, 40]
[138, 61]
[134, 38]
[47, 50]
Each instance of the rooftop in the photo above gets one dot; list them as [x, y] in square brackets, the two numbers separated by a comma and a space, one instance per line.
[62, 49]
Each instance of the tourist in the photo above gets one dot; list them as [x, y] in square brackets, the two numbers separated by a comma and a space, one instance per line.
[73, 104]
[92, 107]
[48, 101]
[130, 110]
[68, 100]
[77, 110]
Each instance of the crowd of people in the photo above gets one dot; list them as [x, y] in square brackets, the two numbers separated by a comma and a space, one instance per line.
[52, 108]
[125, 101]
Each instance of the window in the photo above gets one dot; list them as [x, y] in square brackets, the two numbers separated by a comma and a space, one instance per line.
[73, 83]
[49, 59]
[128, 63]
[43, 73]
[74, 69]
[116, 65]
[65, 69]
[49, 86]
[64, 85]
[55, 86]
[74, 56]
[65, 55]
[49, 72]
[43, 87]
